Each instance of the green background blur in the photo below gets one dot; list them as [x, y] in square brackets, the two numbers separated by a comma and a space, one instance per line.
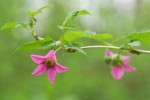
[89, 77]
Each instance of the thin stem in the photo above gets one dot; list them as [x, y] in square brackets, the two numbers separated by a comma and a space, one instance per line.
[100, 46]
[31, 28]
[32, 31]
[58, 49]
[135, 51]
[119, 39]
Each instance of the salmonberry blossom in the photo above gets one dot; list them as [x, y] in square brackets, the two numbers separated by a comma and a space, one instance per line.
[48, 64]
[120, 64]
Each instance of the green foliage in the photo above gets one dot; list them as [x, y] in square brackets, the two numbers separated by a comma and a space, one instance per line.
[136, 38]
[71, 16]
[72, 35]
[13, 25]
[84, 12]
[93, 35]
[74, 46]
[33, 13]
[70, 27]
[88, 77]
[134, 43]
[31, 22]
[46, 43]
[143, 37]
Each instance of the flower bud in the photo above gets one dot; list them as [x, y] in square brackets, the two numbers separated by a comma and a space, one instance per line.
[71, 50]
[108, 60]
[117, 61]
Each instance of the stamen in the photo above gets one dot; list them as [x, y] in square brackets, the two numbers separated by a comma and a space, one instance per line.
[50, 62]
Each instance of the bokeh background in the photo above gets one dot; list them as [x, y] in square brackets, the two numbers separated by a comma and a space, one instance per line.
[89, 77]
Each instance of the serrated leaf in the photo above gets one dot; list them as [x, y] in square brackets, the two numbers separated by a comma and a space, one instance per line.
[39, 44]
[74, 46]
[72, 15]
[70, 27]
[33, 13]
[143, 37]
[13, 25]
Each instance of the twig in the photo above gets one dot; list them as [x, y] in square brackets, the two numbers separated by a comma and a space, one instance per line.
[135, 51]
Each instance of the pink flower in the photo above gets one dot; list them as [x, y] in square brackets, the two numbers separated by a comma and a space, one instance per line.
[48, 64]
[118, 70]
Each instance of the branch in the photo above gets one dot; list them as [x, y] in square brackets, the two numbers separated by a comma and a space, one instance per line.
[135, 51]
[37, 37]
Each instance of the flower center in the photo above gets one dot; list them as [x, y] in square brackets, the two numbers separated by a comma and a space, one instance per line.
[50, 62]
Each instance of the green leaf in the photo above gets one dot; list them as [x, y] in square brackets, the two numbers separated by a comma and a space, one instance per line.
[33, 13]
[143, 37]
[72, 15]
[84, 12]
[70, 27]
[71, 35]
[93, 35]
[134, 43]
[46, 43]
[79, 44]
[74, 46]
[13, 25]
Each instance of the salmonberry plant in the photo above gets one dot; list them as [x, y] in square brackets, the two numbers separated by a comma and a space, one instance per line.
[68, 42]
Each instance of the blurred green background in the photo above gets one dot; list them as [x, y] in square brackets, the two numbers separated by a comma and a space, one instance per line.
[89, 77]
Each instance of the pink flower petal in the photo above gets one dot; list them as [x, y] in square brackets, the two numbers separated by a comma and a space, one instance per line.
[39, 69]
[128, 68]
[60, 68]
[126, 59]
[37, 59]
[117, 72]
[51, 54]
[108, 53]
[51, 74]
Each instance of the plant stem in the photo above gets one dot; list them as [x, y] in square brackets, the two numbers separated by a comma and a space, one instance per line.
[58, 49]
[135, 51]
[32, 31]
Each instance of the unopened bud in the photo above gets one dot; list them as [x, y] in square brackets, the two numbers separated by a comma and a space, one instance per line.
[117, 61]
[108, 60]
[71, 50]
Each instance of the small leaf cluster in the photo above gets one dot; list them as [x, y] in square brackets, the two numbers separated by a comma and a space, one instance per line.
[135, 39]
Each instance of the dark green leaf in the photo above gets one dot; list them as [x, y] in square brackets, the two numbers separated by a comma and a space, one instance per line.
[39, 44]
